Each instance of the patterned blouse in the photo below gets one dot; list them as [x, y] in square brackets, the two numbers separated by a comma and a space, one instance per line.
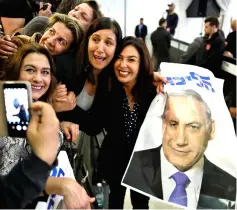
[14, 150]
[130, 117]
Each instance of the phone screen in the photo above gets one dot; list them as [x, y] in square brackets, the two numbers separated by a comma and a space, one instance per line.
[16, 101]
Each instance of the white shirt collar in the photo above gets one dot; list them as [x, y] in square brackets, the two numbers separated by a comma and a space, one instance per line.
[194, 174]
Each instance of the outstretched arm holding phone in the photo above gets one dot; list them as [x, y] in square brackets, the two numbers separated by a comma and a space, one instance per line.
[27, 180]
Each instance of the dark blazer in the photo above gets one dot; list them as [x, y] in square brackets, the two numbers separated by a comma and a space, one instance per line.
[143, 32]
[144, 173]
[160, 40]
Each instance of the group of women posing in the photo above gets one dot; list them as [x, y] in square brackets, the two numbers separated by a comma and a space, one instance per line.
[111, 87]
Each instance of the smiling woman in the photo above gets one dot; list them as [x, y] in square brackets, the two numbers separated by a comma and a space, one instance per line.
[32, 63]
[95, 60]
[36, 69]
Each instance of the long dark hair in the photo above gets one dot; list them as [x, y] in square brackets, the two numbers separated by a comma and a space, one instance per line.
[84, 66]
[145, 74]
[12, 66]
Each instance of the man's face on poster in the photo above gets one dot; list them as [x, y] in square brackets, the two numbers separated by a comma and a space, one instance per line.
[186, 131]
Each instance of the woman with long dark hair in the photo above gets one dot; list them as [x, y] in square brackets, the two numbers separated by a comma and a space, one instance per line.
[130, 97]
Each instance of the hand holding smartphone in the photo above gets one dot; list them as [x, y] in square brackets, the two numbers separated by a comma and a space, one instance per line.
[15, 101]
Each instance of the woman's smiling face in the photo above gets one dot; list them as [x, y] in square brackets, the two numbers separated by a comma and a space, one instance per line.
[35, 69]
[101, 48]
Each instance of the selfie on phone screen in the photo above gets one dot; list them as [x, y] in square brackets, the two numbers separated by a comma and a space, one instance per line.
[17, 105]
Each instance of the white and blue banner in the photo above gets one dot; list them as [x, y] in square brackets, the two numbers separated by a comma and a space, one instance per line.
[64, 169]
[222, 149]
[169, 137]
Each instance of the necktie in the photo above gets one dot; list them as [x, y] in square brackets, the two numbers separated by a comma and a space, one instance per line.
[179, 195]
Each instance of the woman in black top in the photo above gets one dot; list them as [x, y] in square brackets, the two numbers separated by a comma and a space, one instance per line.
[130, 97]
[95, 59]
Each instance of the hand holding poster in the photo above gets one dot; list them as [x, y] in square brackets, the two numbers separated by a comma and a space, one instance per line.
[185, 151]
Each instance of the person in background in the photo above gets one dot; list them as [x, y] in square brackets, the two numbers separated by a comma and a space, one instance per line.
[189, 56]
[209, 54]
[230, 49]
[141, 30]
[160, 40]
[28, 178]
[172, 19]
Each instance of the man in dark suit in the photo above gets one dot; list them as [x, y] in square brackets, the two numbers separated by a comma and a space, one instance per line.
[141, 30]
[178, 171]
[160, 40]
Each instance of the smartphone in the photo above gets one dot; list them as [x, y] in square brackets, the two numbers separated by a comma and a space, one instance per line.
[15, 100]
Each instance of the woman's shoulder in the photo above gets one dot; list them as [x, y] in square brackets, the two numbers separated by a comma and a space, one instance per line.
[148, 95]
[150, 92]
